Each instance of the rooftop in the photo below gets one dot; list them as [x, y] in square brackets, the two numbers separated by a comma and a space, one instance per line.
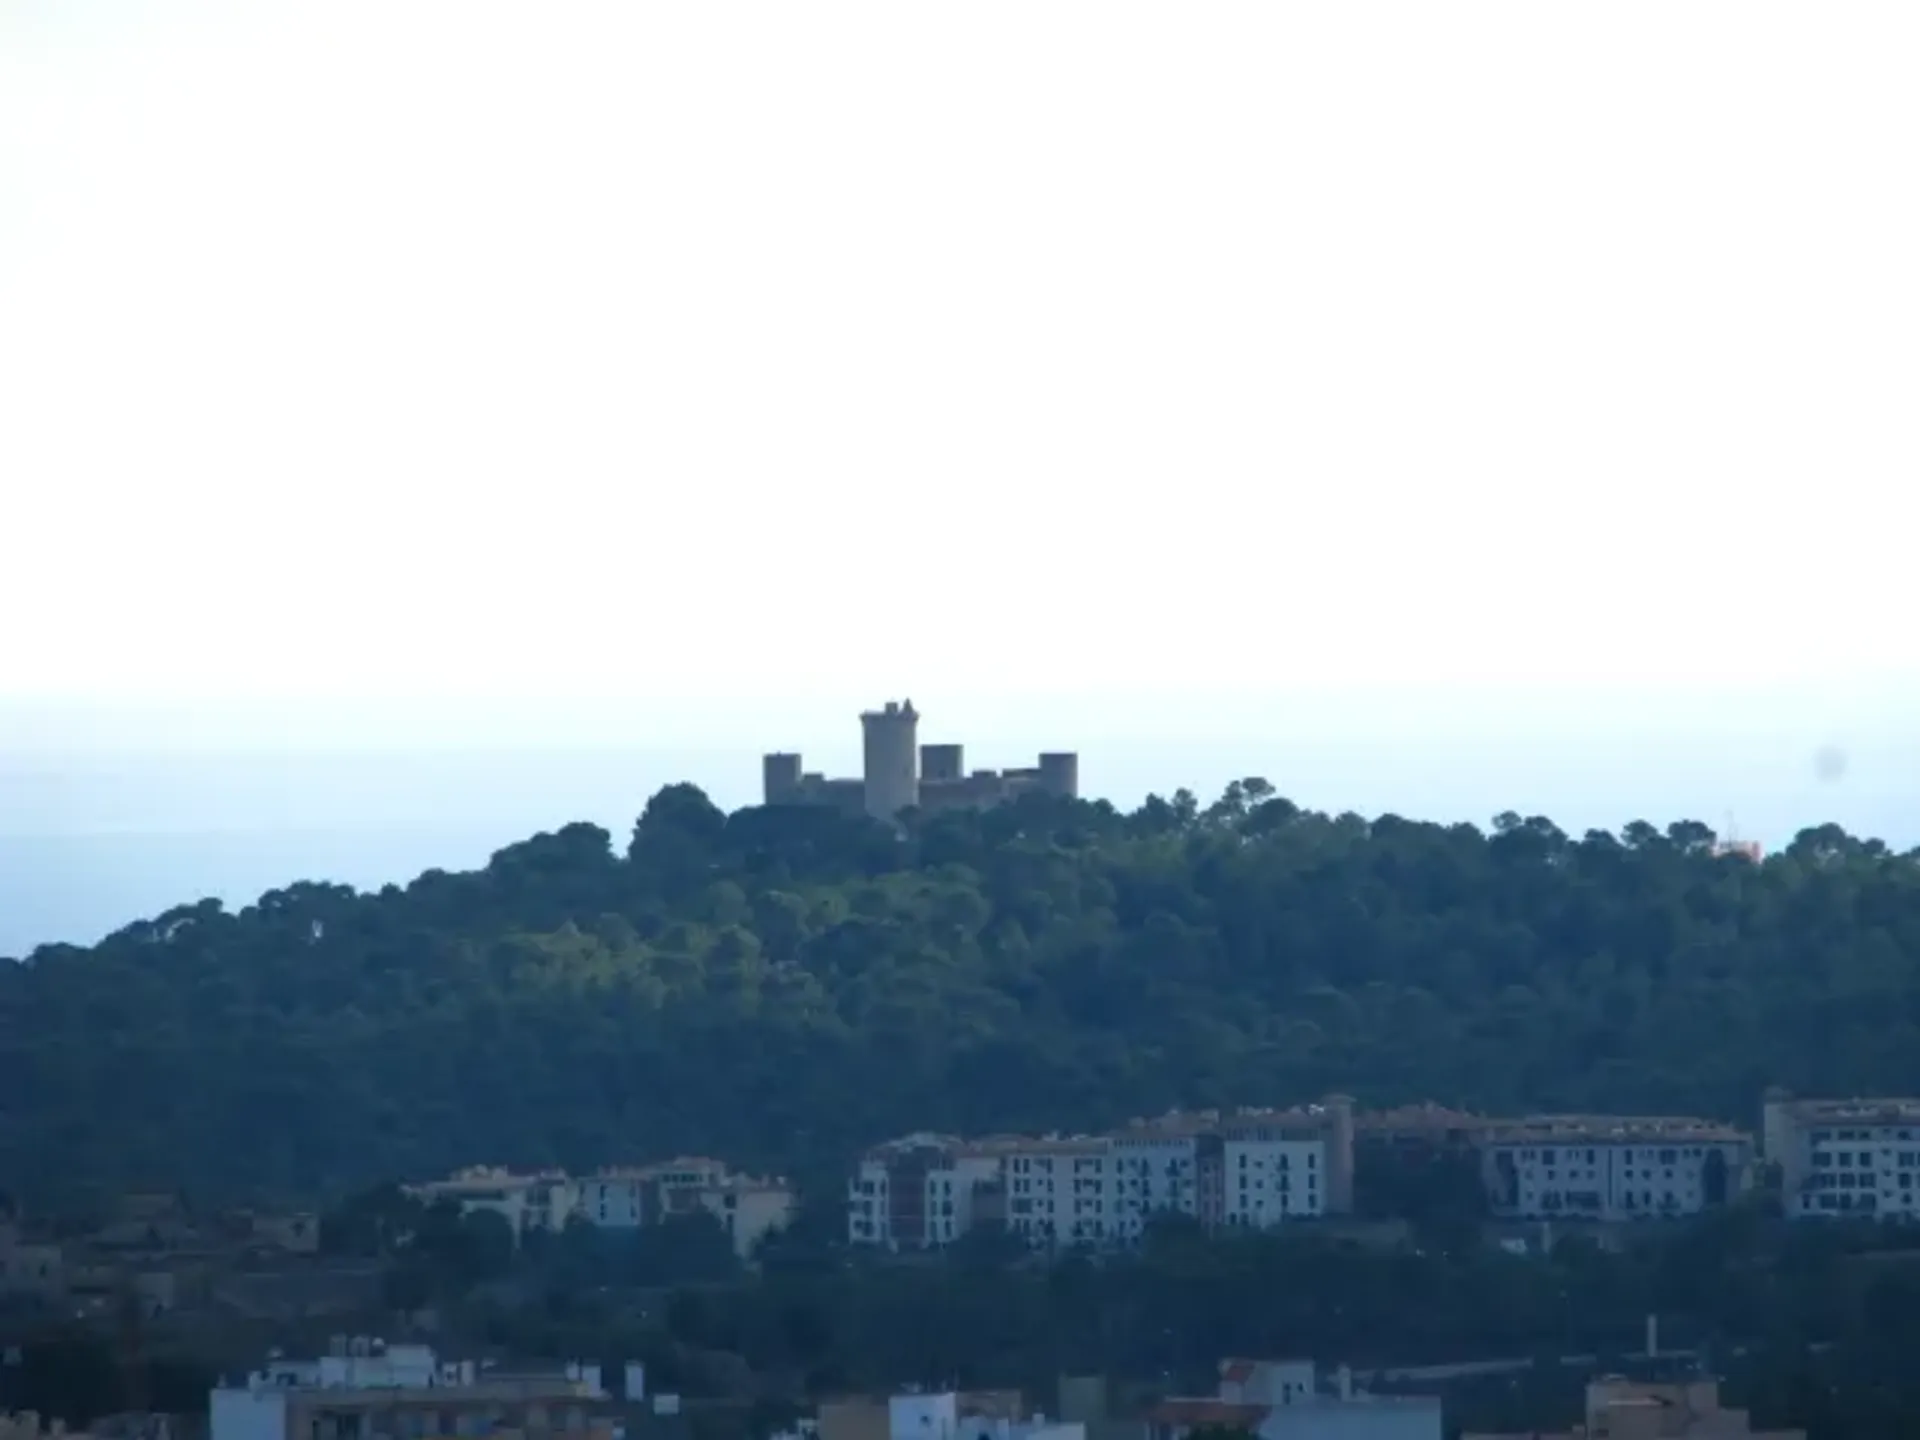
[1534, 1129]
[1424, 1116]
[1208, 1411]
[485, 1388]
[1881, 1111]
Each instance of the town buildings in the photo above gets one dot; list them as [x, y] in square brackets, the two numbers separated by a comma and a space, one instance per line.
[1843, 1158]
[1260, 1168]
[937, 1415]
[1622, 1409]
[153, 1252]
[1283, 1400]
[1611, 1167]
[365, 1387]
[1247, 1168]
[747, 1207]
[1605, 1168]
[898, 773]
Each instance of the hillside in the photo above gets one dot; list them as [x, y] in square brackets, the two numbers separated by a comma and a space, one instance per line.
[780, 987]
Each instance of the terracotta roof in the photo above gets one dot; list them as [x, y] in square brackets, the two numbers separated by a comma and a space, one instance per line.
[1237, 1371]
[1194, 1413]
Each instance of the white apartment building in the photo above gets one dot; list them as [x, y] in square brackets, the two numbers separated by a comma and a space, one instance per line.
[1844, 1158]
[1064, 1191]
[1270, 1169]
[1156, 1169]
[921, 1192]
[1601, 1167]
[1252, 1168]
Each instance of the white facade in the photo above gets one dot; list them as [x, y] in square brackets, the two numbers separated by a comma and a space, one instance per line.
[1100, 1190]
[615, 1201]
[1595, 1172]
[1268, 1382]
[258, 1408]
[358, 1364]
[1062, 1192]
[1155, 1174]
[1281, 1400]
[1268, 1181]
[1846, 1159]
[938, 1416]
[919, 1193]
[1254, 1169]
[356, 1389]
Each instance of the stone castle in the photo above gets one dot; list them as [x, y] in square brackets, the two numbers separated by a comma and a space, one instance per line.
[899, 773]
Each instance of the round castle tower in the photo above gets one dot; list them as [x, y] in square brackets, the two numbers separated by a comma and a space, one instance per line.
[890, 769]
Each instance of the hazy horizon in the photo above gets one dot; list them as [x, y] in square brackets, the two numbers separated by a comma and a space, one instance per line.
[1434, 409]
[97, 830]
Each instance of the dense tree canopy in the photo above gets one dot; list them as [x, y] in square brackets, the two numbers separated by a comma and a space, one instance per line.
[780, 986]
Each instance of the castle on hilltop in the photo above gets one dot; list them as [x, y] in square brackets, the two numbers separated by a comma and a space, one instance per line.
[899, 773]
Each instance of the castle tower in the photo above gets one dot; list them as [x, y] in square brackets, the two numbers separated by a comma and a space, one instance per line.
[1060, 774]
[942, 762]
[891, 768]
[780, 779]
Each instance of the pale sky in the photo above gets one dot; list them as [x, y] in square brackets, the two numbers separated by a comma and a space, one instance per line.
[644, 358]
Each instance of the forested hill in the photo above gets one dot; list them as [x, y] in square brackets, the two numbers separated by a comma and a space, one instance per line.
[781, 987]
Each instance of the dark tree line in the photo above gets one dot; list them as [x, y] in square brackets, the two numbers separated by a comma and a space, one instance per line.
[782, 986]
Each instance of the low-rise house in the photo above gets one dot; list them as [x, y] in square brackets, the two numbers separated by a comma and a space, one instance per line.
[365, 1387]
[1622, 1409]
[1282, 1400]
[939, 1415]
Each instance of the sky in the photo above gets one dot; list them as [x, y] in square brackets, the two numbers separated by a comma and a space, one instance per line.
[422, 422]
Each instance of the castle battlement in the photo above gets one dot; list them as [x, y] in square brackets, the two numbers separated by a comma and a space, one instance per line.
[898, 773]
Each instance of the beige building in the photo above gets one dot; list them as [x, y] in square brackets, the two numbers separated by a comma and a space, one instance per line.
[747, 1207]
[527, 1202]
[1620, 1409]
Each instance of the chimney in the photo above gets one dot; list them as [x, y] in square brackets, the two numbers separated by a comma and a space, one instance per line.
[1653, 1336]
[1343, 1381]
